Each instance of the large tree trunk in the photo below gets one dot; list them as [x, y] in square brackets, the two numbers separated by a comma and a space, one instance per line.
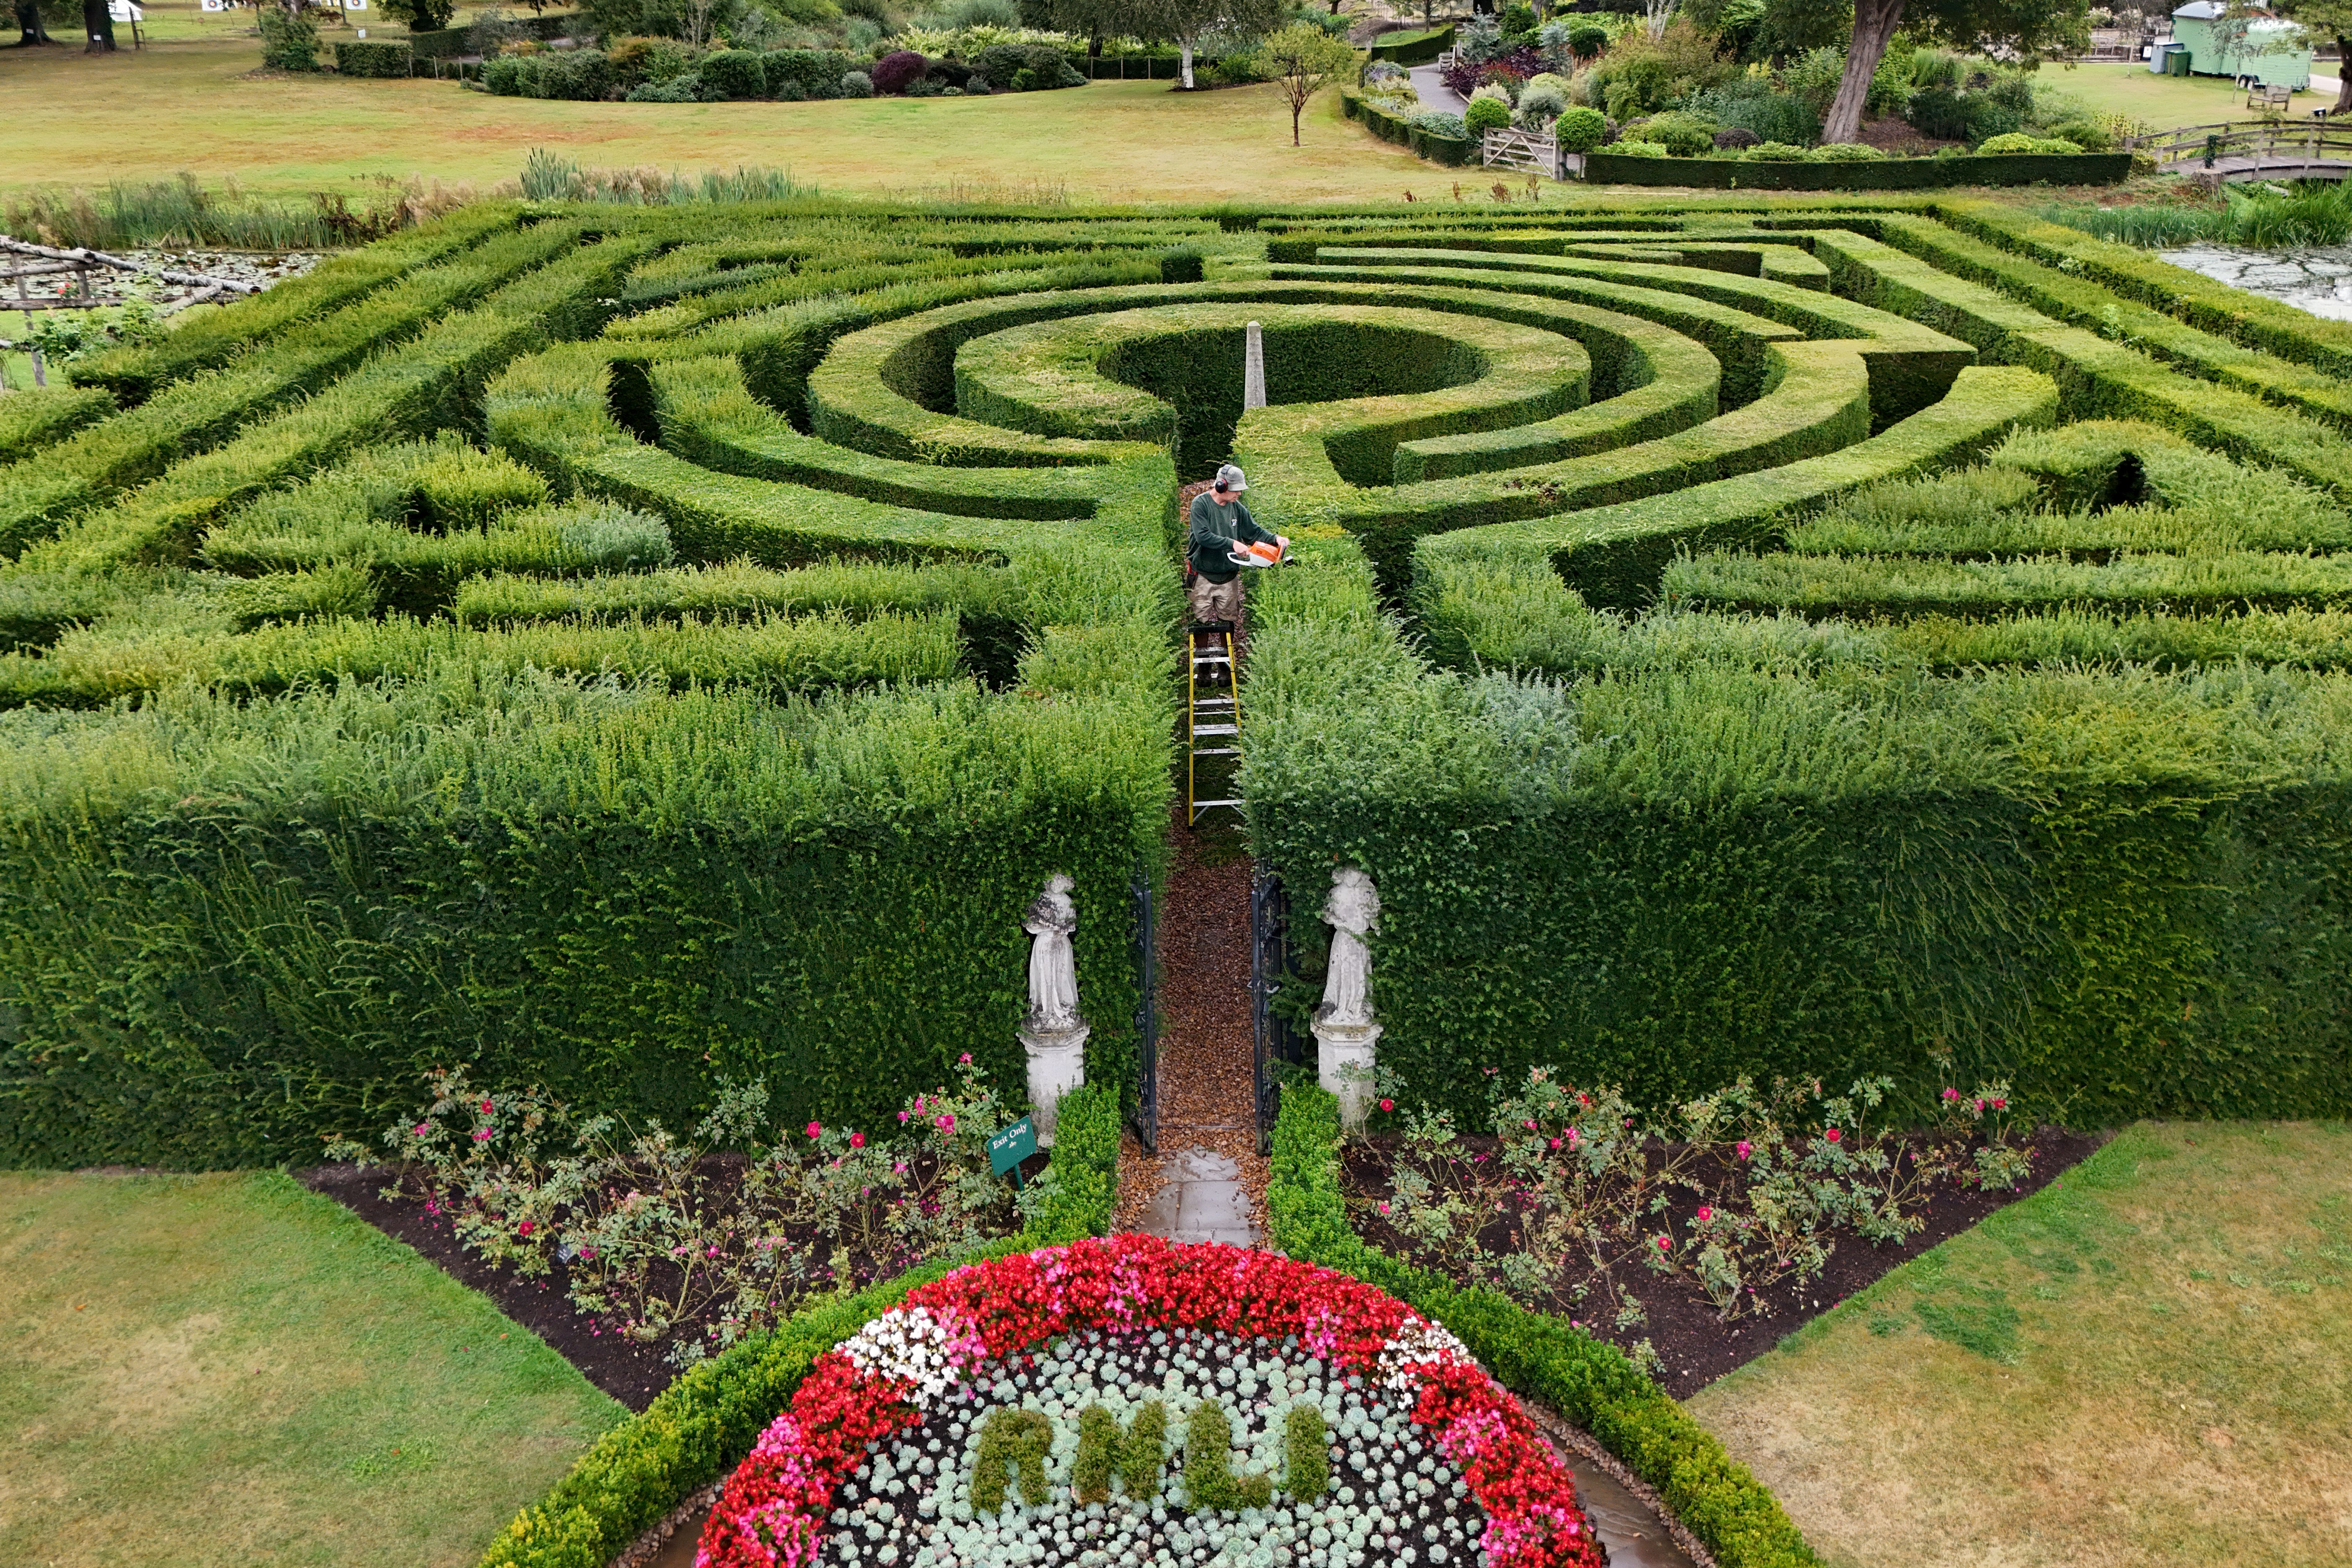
[28, 23]
[1185, 44]
[97, 28]
[1874, 22]
[2342, 77]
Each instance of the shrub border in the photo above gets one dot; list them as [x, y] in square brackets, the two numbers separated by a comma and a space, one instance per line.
[701, 1427]
[1605, 168]
[1534, 1353]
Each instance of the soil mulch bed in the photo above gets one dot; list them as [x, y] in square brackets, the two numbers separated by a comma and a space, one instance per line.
[1682, 1325]
[631, 1371]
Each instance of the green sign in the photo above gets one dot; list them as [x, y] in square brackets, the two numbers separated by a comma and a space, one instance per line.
[1007, 1149]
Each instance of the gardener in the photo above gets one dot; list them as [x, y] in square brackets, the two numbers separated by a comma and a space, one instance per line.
[1216, 546]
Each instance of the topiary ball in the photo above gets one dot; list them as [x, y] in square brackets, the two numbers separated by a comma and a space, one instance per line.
[1485, 114]
[856, 84]
[1737, 136]
[898, 70]
[1580, 129]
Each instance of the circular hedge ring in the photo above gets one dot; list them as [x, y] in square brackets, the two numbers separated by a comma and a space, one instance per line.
[1023, 1410]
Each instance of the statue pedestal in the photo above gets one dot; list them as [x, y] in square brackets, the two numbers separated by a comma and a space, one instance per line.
[1057, 1064]
[1343, 1065]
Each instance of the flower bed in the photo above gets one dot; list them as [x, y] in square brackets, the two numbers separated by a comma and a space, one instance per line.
[1608, 166]
[1028, 1409]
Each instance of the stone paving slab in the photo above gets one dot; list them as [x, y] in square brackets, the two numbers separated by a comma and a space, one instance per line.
[1202, 1199]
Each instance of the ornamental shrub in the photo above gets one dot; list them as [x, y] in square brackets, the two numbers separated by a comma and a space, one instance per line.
[894, 72]
[1845, 152]
[289, 40]
[1483, 114]
[2086, 135]
[1736, 138]
[856, 84]
[1586, 41]
[734, 75]
[1776, 152]
[1580, 129]
[637, 59]
[2056, 146]
[686, 89]
[2014, 141]
[1047, 67]
[1684, 136]
[815, 73]
[1640, 149]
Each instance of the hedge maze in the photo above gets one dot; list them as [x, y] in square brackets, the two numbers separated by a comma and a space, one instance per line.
[622, 647]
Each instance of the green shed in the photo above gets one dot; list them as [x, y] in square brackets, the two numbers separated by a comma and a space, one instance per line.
[2271, 50]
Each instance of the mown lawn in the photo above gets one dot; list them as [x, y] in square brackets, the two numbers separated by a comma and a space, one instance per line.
[2144, 1364]
[1123, 142]
[230, 1369]
[2164, 101]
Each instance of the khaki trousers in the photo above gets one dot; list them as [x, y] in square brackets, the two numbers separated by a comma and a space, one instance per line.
[1214, 601]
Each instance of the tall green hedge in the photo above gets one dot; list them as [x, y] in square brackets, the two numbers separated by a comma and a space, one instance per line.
[1606, 168]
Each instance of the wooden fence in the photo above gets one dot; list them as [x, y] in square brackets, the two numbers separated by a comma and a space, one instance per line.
[2248, 146]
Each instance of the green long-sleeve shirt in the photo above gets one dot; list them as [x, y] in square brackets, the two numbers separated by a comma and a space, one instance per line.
[1209, 540]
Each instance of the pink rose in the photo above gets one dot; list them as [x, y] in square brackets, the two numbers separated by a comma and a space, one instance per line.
[1833, 1135]
[2000, 1105]
[1743, 1147]
[1951, 1094]
[902, 1116]
[815, 1130]
[857, 1140]
[423, 1128]
[524, 1229]
[482, 1135]
[1555, 1143]
[1388, 1105]
[964, 1060]
[1665, 1243]
[1705, 1214]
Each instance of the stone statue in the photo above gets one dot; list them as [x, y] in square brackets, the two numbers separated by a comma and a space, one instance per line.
[1053, 965]
[1053, 1035]
[1353, 912]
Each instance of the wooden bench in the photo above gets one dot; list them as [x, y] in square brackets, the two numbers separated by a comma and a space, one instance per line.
[2269, 98]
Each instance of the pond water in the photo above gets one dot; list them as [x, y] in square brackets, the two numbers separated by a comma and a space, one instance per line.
[2318, 281]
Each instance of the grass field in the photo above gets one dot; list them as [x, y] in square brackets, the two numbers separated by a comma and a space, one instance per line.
[1133, 142]
[2143, 1365]
[2163, 101]
[229, 1370]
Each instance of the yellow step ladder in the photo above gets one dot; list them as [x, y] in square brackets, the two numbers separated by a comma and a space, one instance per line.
[1213, 716]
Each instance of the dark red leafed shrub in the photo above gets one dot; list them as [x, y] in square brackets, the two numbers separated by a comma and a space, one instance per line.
[896, 71]
[1509, 68]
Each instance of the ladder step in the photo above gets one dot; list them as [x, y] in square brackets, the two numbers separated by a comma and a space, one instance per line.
[1216, 751]
[1200, 805]
[1216, 729]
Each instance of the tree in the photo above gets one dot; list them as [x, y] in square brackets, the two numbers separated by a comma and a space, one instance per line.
[2025, 29]
[2333, 19]
[1185, 20]
[420, 15]
[1097, 19]
[97, 28]
[36, 17]
[1306, 59]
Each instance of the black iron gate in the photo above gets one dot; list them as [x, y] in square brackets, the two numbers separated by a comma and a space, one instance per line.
[1271, 1037]
[1147, 1017]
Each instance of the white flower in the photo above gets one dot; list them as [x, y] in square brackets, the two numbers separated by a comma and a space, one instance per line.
[912, 1345]
[1419, 1343]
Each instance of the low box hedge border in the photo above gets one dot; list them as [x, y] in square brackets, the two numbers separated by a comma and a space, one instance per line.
[1590, 1383]
[701, 1427]
[1453, 152]
[1606, 168]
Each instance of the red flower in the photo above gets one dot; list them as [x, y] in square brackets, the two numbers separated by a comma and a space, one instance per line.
[772, 1510]
[1833, 1135]
[1705, 1214]
[1388, 1105]
[485, 1107]
[815, 1130]
[857, 1140]
[523, 1229]
[1665, 1243]
[2000, 1105]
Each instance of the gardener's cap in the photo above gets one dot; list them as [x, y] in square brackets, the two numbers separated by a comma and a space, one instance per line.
[1229, 478]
